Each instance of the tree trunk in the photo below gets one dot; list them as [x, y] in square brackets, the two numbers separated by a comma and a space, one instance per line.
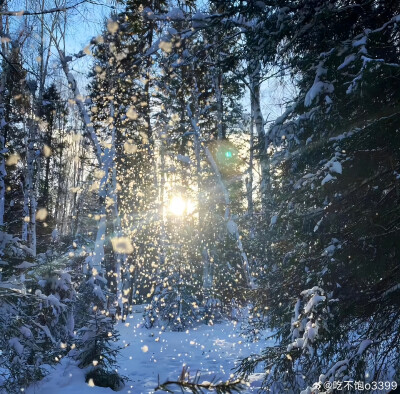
[217, 82]
[231, 224]
[250, 179]
[254, 70]
[207, 272]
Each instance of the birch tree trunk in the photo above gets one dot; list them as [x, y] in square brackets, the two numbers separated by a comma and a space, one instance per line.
[231, 224]
[103, 159]
[250, 179]
[217, 82]
[207, 269]
[254, 70]
[79, 100]
[161, 212]
[232, 227]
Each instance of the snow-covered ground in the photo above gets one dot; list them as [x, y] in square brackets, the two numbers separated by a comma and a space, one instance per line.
[153, 354]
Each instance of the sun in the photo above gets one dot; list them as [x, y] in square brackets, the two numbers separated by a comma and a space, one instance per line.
[179, 206]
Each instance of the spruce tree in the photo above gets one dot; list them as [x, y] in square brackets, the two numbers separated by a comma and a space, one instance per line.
[330, 168]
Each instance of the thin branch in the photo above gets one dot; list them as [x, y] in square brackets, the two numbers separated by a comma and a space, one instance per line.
[185, 382]
[50, 11]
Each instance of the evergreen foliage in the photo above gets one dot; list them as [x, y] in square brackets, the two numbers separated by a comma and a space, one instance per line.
[96, 348]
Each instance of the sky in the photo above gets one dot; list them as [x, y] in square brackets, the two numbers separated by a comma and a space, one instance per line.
[87, 21]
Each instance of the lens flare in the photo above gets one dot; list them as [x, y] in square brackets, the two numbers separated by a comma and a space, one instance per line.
[228, 154]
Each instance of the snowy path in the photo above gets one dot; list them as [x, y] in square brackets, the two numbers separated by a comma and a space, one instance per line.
[213, 350]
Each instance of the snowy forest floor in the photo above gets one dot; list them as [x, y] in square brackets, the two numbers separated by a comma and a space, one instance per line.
[153, 354]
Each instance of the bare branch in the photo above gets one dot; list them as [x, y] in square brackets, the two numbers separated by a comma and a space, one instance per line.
[50, 11]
